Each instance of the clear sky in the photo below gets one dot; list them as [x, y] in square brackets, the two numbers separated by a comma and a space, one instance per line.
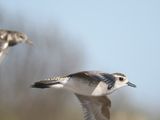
[118, 35]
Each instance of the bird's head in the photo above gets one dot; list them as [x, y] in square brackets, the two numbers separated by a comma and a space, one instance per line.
[21, 37]
[121, 81]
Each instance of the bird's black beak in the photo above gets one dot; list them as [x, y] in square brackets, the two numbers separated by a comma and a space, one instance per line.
[131, 84]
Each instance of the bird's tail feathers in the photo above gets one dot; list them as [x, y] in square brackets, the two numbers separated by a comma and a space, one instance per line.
[55, 82]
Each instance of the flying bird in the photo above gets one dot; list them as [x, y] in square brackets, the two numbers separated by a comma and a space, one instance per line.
[91, 88]
[9, 38]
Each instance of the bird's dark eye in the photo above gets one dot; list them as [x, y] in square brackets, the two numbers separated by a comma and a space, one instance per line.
[121, 79]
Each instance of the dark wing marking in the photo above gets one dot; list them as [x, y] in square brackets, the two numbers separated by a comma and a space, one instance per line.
[95, 108]
[109, 79]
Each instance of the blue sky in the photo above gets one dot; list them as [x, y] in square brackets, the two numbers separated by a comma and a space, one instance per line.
[117, 36]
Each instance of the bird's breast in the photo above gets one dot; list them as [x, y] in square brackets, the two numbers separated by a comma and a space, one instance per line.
[100, 89]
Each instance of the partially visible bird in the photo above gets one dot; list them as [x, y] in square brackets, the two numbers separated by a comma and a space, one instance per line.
[91, 88]
[9, 38]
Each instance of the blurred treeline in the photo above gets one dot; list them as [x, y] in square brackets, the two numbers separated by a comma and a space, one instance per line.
[53, 53]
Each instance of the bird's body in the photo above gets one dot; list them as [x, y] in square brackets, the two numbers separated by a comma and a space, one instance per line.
[92, 84]
[91, 88]
[10, 38]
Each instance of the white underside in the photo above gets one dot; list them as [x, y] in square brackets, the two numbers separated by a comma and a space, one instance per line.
[100, 89]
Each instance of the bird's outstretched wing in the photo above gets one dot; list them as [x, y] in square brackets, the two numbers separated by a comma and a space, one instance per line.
[95, 108]
[3, 49]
